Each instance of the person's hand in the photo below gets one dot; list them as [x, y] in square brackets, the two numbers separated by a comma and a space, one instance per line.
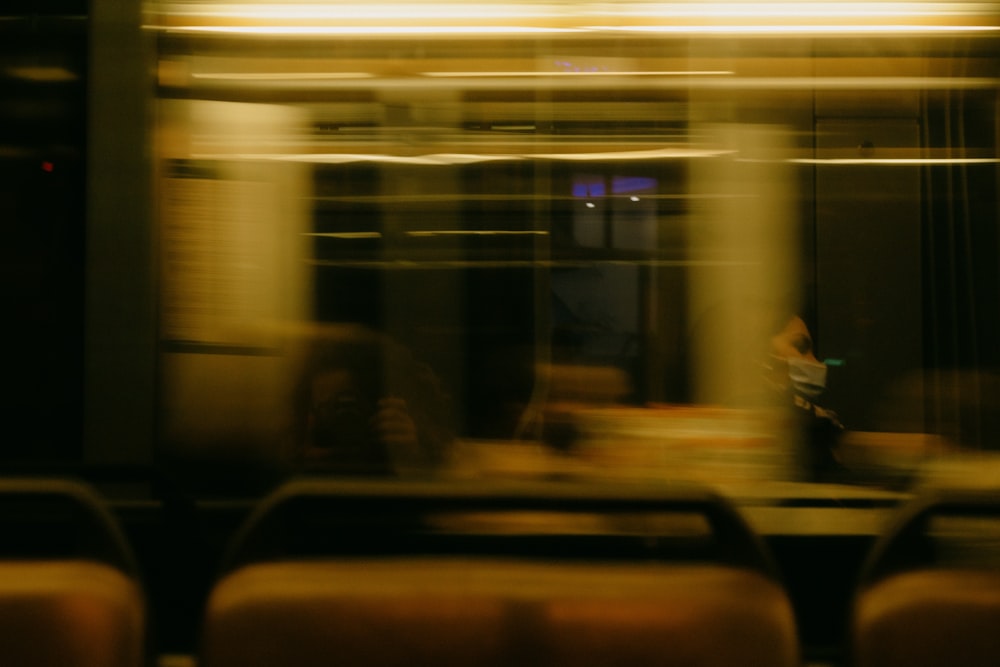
[393, 425]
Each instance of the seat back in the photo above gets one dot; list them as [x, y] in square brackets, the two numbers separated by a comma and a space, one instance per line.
[329, 572]
[69, 594]
[327, 516]
[929, 593]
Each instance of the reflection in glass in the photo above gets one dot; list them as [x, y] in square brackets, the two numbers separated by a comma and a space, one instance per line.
[596, 223]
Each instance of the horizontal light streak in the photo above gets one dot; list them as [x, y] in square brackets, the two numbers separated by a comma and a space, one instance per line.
[459, 159]
[430, 160]
[281, 76]
[390, 11]
[816, 10]
[664, 153]
[347, 30]
[348, 158]
[800, 29]
[512, 128]
[42, 74]
[472, 18]
[625, 81]
[896, 161]
[464, 158]
[524, 263]
[474, 30]
[862, 82]
[575, 74]
[415, 200]
[491, 11]
[476, 232]
[347, 235]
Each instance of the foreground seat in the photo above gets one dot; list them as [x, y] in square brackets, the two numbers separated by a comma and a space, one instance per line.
[69, 593]
[929, 595]
[331, 572]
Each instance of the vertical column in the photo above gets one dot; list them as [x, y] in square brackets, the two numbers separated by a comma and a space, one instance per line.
[120, 328]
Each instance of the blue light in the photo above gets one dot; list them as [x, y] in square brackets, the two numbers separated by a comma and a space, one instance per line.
[589, 188]
[622, 184]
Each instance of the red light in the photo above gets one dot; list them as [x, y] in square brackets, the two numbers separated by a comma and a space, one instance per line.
[48, 166]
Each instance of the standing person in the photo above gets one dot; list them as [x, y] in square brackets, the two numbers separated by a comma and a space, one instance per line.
[753, 353]
[794, 375]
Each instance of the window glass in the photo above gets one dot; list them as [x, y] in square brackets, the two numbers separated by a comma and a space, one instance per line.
[735, 243]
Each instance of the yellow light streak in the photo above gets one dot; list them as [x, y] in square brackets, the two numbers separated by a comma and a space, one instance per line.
[575, 74]
[476, 232]
[811, 10]
[800, 29]
[682, 18]
[281, 76]
[896, 161]
[346, 235]
[388, 30]
[467, 158]
[382, 11]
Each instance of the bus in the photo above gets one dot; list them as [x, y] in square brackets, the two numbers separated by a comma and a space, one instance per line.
[746, 245]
